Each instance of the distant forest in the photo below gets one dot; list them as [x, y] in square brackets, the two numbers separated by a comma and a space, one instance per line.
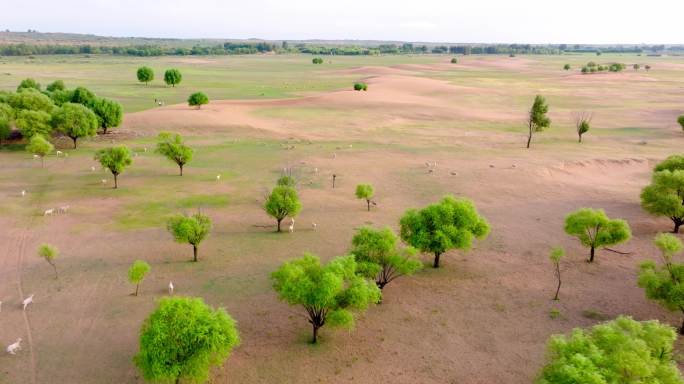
[36, 43]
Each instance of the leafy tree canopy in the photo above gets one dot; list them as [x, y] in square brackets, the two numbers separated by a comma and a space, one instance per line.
[665, 196]
[172, 77]
[32, 100]
[183, 338]
[173, 148]
[38, 145]
[672, 163]
[198, 99]
[116, 159]
[190, 229]
[57, 85]
[32, 123]
[282, 202]
[28, 84]
[450, 224]
[75, 121]
[618, 351]
[145, 74]
[109, 112]
[595, 230]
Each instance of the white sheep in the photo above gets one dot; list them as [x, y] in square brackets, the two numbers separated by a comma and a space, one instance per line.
[103, 181]
[63, 209]
[316, 171]
[145, 149]
[49, 212]
[170, 288]
[218, 177]
[292, 221]
[36, 156]
[27, 301]
[58, 153]
[334, 155]
[23, 193]
[92, 168]
[0, 306]
[313, 226]
[13, 348]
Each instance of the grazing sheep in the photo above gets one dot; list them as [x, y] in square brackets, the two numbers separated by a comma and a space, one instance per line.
[36, 156]
[63, 209]
[427, 164]
[27, 301]
[92, 168]
[170, 288]
[13, 348]
[103, 181]
[58, 153]
[313, 226]
[23, 193]
[218, 177]
[145, 149]
[334, 155]
[49, 212]
[316, 171]
[292, 221]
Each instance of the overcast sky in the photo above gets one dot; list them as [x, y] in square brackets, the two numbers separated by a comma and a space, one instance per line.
[489, 21]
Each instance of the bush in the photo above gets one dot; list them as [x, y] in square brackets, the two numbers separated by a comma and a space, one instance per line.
[680, 120]
[566, 67]
[28, 84]
[317, 60]
[172, 77]
[198, 99]
[360, 87]
[454, 61]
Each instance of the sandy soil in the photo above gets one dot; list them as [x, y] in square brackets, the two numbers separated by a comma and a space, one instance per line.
[483, 318]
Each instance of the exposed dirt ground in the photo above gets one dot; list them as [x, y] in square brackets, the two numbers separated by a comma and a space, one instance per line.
[482, 318]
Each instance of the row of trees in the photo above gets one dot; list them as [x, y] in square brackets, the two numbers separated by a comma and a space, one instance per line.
[75, 113]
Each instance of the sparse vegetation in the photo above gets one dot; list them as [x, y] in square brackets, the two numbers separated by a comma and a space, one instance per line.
[582, 121]
[555, 257]
[566, 67]
[137, 272]
[49, 253]
[595, 230]
[317, 60]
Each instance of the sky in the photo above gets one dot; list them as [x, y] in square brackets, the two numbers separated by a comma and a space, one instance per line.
[454, 21]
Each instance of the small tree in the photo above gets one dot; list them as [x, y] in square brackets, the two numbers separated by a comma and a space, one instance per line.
[183, 338]
[454, 61]
[28, 84]
[145, 74]
[317, 60]
[32, 100]
[360, 86]
[116, 159]
[665, 284]
[582, 121]
[190, 229]
[57, 85]
[32, 123]
[379, 257]
[665, 196]
[38, 145]
[75, 121]
[365, 192]
[286, 181]
[636, 67]
[109, 113]
[537, 120]
[595, 230]
[680, 120]
[172, 77]
[618, 351]
[137, 273]
[198, 99]
[281, 203]
[450, 224]
[328, 292]
[83, 96]
[49, 253]
[173, 148]
[647, 67]
[6, 117]
[555, 257]
[566, 67]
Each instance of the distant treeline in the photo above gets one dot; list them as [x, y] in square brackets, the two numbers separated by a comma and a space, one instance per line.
[231, 48]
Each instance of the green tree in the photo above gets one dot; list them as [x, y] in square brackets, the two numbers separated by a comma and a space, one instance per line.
[595, 230]
[75, 121]
[555, 257]
[360, 86]
[172, 77]
[198, 99]
[61, 96]
[109, 113]
[282, 202]
[454, 61]
[137, 273]
[28, 84]
[32, 100]
[145, 74]
[57, 85]
[379, 257]
[328, 292]
[49, 253]
[83, 96]
[582, 121]
[286, 181]
[365, 192]
[190, 229]
[665, 284]
[672, 163]
[680, 120]
[537, 120]
[183, 338]
[32, 123]
[566, 67]
[116, 159]
[618, 351]
[6, 117]
[173, 148]
[38, 145]
[450, 224]
[665, 196]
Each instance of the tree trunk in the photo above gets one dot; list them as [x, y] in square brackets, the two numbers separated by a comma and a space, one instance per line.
[315, 334]
[529, 136]
[677, 224]
[55, 268]
[181, 169]
[136, 289]
[177, 380]
[104, 130]
[194, 253]
[580, 138]
[591, 254]
[116, 183]
[279, 220]
[74, 139]
[559, 282]
[436, 263]
[42, 161]
[681, 329]
[368, 202]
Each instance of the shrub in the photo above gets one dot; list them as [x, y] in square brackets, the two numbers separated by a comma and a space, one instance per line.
[198, 99]
[317, 60]
[360, 87]
[566, 67]
[172, 77]
[680, 120]
[454, 61]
